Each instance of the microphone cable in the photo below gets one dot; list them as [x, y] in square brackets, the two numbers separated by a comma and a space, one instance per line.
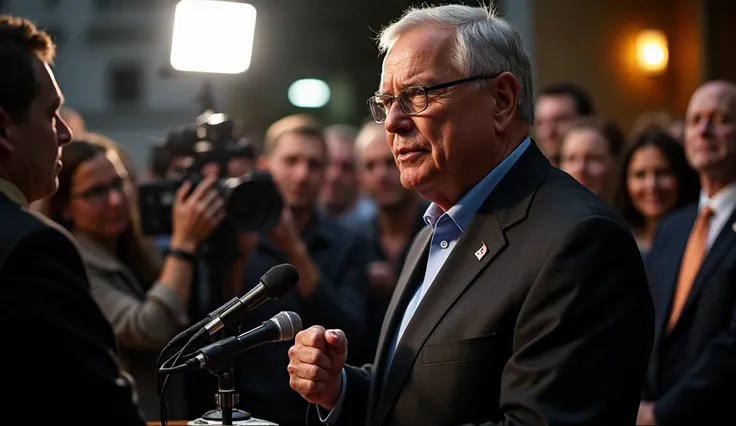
[167, 371]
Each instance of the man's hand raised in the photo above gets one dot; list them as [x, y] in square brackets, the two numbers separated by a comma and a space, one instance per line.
[315, 364]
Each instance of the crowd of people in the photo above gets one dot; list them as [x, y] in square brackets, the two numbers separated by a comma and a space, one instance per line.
[491, 256]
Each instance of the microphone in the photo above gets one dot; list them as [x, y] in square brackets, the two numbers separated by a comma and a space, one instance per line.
[282, 327]
[275, 283]
[189, 332]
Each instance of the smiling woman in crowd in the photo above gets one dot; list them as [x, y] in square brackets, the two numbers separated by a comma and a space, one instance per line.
[655, 178]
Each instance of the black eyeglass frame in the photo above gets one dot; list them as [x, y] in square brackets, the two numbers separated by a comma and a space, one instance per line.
[99, 193]
[425, 89]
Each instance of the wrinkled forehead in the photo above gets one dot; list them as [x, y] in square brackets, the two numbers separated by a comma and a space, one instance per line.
[417, 56]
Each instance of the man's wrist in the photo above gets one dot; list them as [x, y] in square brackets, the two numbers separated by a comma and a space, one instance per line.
[333, 413]
[183, 245]
[338, 393]
[297, 252]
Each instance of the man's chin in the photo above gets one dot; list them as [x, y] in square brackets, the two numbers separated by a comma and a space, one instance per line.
[52, 187]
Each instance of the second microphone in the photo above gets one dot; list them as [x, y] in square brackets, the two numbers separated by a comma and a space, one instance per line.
[282, 327]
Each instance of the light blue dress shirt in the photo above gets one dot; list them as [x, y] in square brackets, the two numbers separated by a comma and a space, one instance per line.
[446, 230]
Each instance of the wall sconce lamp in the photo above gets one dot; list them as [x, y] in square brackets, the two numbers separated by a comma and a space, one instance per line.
[652, 53]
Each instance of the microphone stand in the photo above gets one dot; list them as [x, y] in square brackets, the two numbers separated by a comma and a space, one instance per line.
[226, 398]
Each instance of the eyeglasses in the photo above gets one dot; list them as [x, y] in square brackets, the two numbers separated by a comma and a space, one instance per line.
[413, 100]
[99, 194]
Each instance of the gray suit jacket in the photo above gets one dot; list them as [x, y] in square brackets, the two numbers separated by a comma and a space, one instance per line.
[553, 326]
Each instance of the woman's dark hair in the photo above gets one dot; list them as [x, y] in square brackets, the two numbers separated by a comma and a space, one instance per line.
[133, 251]
[688, 183]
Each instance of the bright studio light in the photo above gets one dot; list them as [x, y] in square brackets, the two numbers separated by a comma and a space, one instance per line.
[213, 36]
[309, 93]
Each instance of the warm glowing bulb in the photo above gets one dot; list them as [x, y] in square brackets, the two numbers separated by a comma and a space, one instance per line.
[651, 52]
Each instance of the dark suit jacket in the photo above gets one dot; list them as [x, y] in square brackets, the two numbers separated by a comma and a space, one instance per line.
[692, 372]
[553, 326]
[57, 347]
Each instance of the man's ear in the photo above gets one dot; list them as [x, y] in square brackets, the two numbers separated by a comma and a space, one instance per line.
[6, 148]
[262, 163]
[506, 93]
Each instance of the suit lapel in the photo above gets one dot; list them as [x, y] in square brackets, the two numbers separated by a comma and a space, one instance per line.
[725, 242]
[668, 278]
[477, 247]
[411, 276]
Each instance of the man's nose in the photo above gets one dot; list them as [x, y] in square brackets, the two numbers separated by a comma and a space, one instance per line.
[332, 173]
[300, 172]
[397, 121]
[64, 133]
[705, 127]
[115, 197]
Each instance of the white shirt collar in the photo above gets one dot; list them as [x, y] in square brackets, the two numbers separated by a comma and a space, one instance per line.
[722, 203]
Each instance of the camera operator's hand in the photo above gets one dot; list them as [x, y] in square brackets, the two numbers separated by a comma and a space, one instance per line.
[286, 233]
[287, 237]
[196, 216]
[247, 243]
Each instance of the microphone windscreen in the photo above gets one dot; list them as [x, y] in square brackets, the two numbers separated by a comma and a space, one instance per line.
[289, 324]
[280, 279]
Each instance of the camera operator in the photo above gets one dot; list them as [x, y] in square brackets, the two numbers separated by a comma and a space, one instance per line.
[331, 260]
[58, 348]
[92, 203]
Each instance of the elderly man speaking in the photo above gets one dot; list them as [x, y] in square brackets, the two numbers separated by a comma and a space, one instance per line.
[525, 301]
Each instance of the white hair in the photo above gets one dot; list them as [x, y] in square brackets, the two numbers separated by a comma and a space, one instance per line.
[485, 44]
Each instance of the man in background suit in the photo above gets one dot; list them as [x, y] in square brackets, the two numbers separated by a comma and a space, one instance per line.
[526, 301]
[58, 348]
[692, 268]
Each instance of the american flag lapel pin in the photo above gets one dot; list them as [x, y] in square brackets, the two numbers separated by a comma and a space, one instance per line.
[481, 251]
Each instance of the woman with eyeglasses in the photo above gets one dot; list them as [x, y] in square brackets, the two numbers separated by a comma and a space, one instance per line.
[144, 300]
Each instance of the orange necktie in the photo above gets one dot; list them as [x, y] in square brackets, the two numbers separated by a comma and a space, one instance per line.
[691, 261]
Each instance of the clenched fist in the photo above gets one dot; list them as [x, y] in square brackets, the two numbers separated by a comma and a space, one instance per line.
[315, 364]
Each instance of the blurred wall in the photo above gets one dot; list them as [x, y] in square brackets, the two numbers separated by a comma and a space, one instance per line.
[592, 43]
[720, 38]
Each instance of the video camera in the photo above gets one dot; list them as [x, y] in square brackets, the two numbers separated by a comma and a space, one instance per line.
[252, 200]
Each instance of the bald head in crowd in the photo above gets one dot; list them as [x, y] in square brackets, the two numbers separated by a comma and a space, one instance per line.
[377, 171]
[710, 134]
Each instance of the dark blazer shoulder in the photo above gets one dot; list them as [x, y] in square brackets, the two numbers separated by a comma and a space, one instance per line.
[552, 220]
[20, 223]
[683, 216]
[552, 195]
[670, 237]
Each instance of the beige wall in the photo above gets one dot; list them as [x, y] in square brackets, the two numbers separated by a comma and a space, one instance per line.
[592, 43]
